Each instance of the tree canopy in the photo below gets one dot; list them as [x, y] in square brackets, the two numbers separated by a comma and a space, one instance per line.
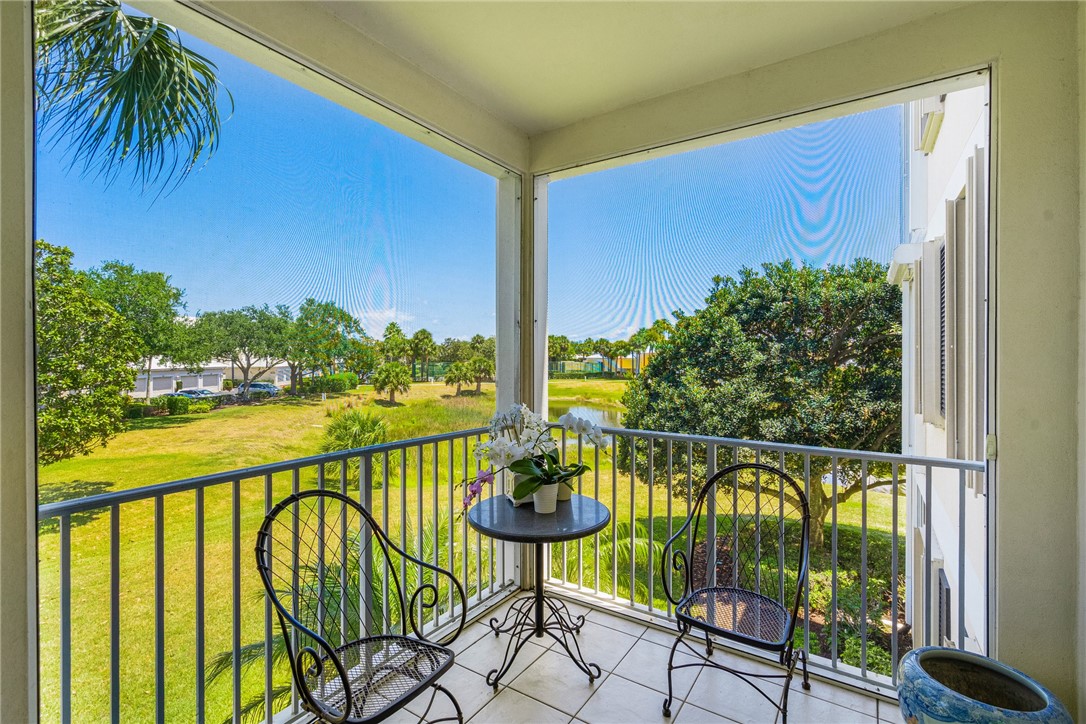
[86, 355]
[791, 354]
[254, 339]
[392, 377]
[150, 304]
[395, 346]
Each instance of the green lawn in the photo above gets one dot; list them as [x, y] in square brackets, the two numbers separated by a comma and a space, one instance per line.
[163, 449]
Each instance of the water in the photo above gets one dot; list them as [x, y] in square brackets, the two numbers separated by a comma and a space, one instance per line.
[596, 415]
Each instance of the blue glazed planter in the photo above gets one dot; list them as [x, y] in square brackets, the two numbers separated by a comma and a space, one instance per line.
[946, 685]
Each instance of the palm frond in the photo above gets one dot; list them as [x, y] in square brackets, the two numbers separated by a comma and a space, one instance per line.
[253, 709]
[122, 90]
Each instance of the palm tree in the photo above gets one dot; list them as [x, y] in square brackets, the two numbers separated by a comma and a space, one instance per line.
[482, 368]
[616, 553]
[119, 87]
[422, 346]
[459, 374]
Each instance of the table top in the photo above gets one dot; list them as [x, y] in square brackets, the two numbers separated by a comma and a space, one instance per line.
[575, 518]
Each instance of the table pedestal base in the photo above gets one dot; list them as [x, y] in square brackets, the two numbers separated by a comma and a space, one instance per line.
[558, 623]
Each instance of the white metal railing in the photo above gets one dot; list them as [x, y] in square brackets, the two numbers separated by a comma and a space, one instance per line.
[647, 479]
[858, 571]
[410, 486]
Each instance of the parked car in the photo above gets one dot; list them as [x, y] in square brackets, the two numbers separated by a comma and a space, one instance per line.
[267, 387]
[196, 394]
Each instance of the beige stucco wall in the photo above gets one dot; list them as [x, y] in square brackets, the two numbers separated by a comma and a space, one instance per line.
[1034, 50]
[1082, 363]
[18, 696]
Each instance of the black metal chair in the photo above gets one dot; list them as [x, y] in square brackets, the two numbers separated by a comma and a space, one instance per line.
[741, 557]
[355, 643]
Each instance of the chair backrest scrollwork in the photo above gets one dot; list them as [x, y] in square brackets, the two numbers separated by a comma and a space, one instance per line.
[748, 529]
[334, 577]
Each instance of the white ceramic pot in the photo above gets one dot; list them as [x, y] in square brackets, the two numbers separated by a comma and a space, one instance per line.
[546, 498]
[564, 492]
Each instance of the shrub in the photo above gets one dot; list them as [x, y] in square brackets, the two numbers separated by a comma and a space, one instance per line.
[136, 411]
[255, 395]
[340, 382]
[617, 375]
[351, 429]
[159, 403]
[201, 407]
[178, 405]
[228, 384]
[878, 658]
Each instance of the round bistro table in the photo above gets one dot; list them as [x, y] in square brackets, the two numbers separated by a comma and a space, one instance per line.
[538, 614]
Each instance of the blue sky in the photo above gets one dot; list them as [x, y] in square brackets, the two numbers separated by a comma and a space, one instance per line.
[306, 198]
[632, 244]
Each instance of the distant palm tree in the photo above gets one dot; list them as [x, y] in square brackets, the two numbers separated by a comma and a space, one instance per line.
[615, 556]
[119, 87]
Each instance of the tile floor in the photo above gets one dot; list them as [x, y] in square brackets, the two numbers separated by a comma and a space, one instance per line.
[545, 686]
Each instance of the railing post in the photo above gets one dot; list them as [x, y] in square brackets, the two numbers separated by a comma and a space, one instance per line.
[710, 512]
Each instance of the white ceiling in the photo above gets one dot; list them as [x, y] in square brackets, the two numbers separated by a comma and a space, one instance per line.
[545, 65]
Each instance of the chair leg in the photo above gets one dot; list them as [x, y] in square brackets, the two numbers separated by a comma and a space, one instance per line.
[670, 667]
[803, 661]
[790, 662]
[708, 645]
[456, 705]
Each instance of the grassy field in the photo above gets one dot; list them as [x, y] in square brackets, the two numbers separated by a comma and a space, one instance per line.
[421, 490]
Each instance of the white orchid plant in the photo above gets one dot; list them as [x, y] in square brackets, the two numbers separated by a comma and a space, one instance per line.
[521, 442]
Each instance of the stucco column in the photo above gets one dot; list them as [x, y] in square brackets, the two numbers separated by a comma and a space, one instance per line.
[18, 596]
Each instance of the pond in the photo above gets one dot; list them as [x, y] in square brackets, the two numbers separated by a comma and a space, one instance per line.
[597, 415]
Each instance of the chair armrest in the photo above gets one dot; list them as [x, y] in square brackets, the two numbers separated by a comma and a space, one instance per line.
[298, 664]
[425, 597]
[678, 561]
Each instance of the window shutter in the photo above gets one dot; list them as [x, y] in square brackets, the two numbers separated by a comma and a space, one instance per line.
[943, 608]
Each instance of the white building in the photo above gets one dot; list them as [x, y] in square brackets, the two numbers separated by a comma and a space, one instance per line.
[167, 377]
[943, 276]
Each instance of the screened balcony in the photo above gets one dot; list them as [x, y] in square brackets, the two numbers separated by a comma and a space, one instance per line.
[1036, 608]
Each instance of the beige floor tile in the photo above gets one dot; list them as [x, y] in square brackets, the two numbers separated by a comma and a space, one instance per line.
[646, 663]
[404, 716]
[469, 635]
[553, 678]
[601, 645]
[890, 713]
[512, 707]
[804, 709]
[620, 701]
[839, 695]
[619, 623]
[578, 609]
[488, 652]
[664, 637]
[469, 687]
[727, 695]
[690, 714]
